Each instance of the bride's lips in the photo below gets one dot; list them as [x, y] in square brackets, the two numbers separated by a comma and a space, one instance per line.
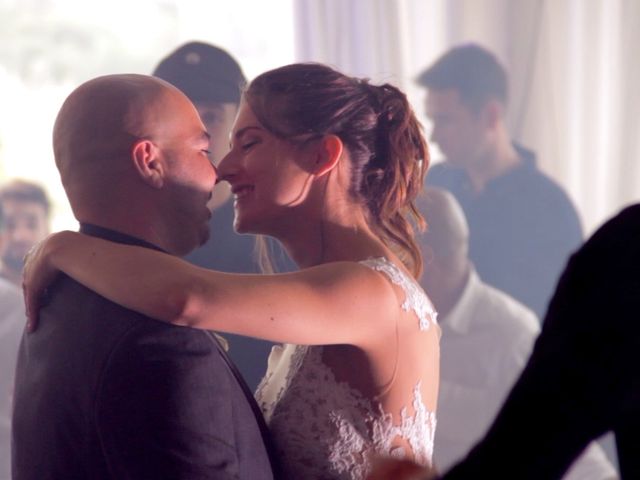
[241, 191]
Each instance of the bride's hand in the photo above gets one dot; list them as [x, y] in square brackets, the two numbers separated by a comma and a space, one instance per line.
[37, 275]
[393, 469]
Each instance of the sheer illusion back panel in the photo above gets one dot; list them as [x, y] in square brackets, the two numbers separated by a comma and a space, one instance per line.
[330, 422]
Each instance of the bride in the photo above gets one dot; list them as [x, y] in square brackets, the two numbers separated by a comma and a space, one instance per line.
[329, 165]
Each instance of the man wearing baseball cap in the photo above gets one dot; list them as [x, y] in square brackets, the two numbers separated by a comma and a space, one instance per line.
[213, 81]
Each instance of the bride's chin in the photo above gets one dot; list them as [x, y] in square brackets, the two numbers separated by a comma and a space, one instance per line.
[241, 225]
[256, 223]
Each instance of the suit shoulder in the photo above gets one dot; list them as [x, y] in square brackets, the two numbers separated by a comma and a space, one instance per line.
[148, 338]
[75, 300]
[122, 337]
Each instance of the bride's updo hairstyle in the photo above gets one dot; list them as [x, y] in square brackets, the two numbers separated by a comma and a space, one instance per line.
[377, 126]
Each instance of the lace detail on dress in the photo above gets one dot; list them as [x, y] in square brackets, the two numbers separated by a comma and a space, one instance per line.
[415, 300]
[323, 428]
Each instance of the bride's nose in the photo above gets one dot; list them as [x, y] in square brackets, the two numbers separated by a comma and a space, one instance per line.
[228, 167]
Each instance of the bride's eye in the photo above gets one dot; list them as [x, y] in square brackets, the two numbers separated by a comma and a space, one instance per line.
[247, 145]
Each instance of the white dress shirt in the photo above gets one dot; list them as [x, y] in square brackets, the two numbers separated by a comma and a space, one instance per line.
[12, 322]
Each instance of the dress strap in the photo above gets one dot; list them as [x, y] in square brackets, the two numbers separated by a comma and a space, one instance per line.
[415, 298]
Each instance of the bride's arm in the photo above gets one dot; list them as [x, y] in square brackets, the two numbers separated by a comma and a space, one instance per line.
[341, 302]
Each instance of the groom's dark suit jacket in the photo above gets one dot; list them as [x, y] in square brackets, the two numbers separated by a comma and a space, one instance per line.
[105, 393]
[583, 377]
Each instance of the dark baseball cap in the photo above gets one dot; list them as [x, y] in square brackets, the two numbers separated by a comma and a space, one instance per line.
[205, 73]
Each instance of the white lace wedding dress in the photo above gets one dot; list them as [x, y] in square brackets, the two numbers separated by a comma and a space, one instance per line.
[325, 429]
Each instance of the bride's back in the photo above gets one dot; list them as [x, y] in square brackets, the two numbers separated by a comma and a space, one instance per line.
[333, 408]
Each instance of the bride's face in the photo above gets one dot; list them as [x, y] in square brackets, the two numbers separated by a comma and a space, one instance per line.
[267, 175]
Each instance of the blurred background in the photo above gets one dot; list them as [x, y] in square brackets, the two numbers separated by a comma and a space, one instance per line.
[573, 69]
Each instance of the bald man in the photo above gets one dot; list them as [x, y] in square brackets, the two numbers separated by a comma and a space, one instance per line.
[487, 337]
[103, 392]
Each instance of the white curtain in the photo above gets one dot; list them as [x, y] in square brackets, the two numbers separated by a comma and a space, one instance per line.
[573, 66]
[582, 101]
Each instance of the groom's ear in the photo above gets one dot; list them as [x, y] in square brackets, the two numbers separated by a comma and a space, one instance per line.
[148, 163]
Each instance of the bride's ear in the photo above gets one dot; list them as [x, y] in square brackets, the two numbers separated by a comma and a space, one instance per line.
[145, 156]
[328, 154]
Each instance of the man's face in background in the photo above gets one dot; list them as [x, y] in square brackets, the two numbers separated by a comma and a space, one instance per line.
[218, 119]
[458, 130]
[25, 224]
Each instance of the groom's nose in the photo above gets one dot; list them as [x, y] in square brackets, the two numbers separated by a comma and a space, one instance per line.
[216, 173]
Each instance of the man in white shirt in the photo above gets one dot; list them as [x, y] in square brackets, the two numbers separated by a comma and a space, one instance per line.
[12, 321]
[487, 337]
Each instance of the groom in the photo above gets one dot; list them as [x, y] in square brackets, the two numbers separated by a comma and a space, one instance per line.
[103, 392]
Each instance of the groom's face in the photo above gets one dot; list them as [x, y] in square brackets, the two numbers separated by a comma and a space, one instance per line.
[189, 174]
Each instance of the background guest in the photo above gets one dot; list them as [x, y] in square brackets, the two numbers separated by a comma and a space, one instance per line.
[522, 225]
[26, 210]
[487, 337]
[12, 322]
[24, 221]
[583, 377]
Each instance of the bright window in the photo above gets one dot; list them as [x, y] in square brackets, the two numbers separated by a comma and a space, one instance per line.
[49, 47]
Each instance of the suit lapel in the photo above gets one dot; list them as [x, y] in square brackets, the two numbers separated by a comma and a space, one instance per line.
[264, 430]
